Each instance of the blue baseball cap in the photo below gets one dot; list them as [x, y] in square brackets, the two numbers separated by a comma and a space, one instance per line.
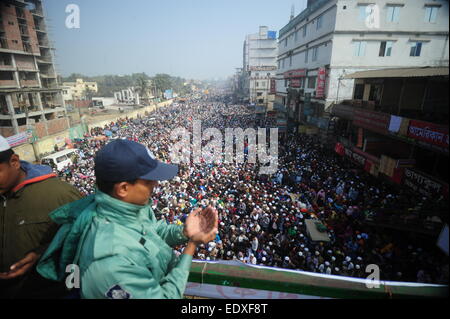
[124, 160]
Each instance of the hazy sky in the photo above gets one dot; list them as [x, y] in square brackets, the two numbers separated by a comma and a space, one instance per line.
[199, 39]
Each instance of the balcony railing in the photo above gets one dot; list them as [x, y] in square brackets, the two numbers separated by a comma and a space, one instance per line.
[8, 83]
[29, 83]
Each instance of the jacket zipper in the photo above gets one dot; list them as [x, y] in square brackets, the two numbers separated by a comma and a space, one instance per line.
[4, 230]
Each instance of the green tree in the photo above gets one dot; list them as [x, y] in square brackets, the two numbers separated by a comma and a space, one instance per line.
[142, 86]
[162, 82]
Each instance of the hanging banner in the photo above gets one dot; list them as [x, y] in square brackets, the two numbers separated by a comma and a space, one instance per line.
[321, 79]
[21, 138]
[360, 138]
[273, 86]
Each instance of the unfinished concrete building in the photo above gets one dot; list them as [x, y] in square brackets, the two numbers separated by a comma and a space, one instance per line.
[30, 96]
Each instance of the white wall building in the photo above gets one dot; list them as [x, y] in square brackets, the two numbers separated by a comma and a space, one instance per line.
[260, 63]
[345, 36]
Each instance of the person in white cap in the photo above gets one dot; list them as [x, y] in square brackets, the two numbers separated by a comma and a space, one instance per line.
[28, 194]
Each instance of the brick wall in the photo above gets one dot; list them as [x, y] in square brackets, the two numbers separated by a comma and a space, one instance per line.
[56, 126]
[26, 62]
[12, 31]
[40, 130]
[6, 131]
[32, 32]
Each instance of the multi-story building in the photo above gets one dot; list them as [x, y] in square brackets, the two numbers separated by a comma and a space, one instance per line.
[260, 64]
[30, 98]
[78, 88]
[396, 127]
[333, 38]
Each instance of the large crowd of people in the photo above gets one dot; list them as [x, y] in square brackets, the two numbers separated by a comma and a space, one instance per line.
[262, 217]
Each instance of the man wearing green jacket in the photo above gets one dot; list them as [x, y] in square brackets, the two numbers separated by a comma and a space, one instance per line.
[28, 193]
[113, 238]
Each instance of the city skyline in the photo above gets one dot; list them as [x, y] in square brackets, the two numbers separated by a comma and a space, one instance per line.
[192, 40]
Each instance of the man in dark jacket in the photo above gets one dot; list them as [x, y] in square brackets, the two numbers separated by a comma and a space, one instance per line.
[28, 193]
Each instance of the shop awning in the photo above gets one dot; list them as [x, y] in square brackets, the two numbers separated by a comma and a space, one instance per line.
[399, 73]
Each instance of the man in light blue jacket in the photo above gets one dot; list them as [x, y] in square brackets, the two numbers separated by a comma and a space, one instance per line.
[121, 250]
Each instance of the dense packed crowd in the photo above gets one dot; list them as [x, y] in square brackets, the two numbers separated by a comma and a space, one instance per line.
[262, 217]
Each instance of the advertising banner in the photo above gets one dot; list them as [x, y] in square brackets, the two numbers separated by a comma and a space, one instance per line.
[21, 138]
[424, 184]
[273, 86]
[295, 83]
[428, 133]
[299, 73]
[374, 121]
[321, 80]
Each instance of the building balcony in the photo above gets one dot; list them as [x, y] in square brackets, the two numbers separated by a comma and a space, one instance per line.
[8, 84]
[47, 75]
[6, 67]
[29, 83]
[44, 60]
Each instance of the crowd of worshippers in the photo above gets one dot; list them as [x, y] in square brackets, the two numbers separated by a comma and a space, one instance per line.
[262, 217]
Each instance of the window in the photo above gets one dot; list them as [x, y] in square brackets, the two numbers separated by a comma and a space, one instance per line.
[259, 94]
[393, 13]
[304, 30]
[61, 159]
[416, 48]
[312, 82]
[306, 56]
[285, 82]
[314, 53]
[359, 48]
[319, 22]
[385, 48]
[295, 36]
[279, 64]
[285, 42]
[431, 14]
[283, 63]
[257, 84]
[290, 60]
[263, 84]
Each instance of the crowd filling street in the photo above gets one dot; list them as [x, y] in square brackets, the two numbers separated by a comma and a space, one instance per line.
[262, 218]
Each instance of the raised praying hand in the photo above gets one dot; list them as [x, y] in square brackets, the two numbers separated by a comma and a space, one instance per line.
[201, 226]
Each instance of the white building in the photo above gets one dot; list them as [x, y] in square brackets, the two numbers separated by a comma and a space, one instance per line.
[339, 37]
[260, 64]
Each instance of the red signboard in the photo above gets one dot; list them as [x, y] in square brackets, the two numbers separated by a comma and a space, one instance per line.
[321, 78]
[295, 83]
[340, 149]
[299, 73]
[273, 86]
[374, 121]
[428, 133]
